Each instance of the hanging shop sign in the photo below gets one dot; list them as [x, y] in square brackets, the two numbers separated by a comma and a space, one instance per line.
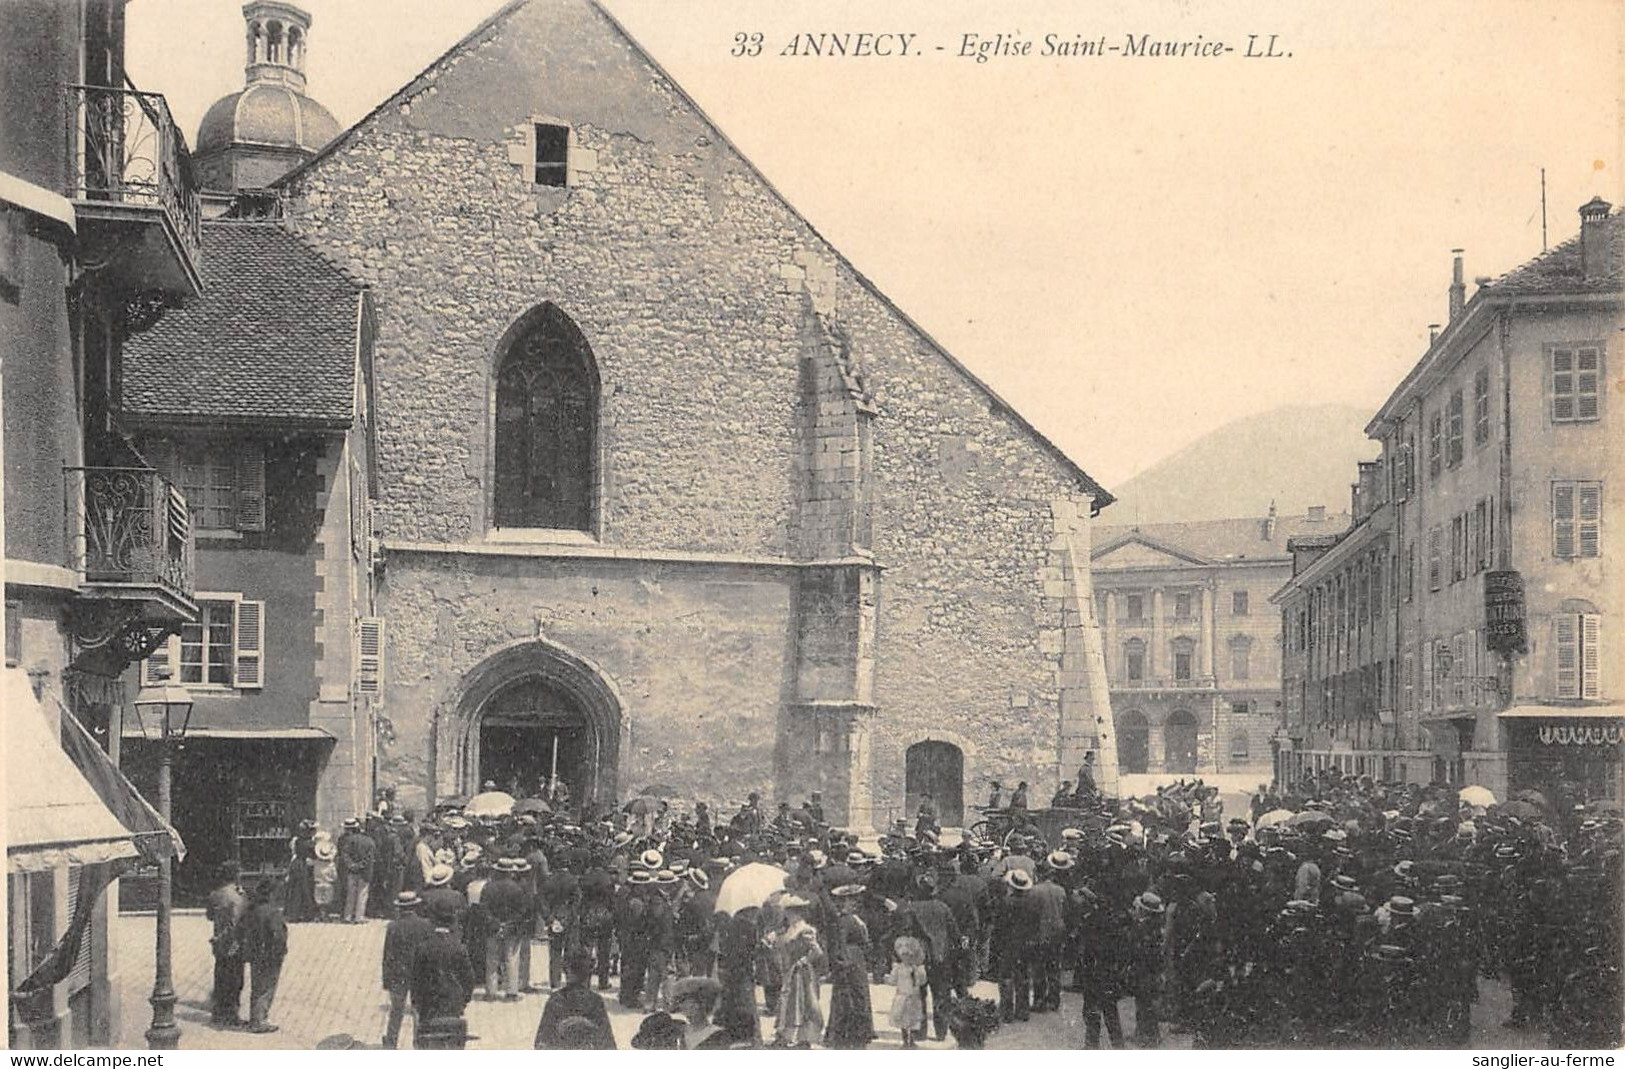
[1504, 611]
[1584, 735]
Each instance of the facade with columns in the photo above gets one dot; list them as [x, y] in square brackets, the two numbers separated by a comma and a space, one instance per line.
[669, 495]
[1191, 643]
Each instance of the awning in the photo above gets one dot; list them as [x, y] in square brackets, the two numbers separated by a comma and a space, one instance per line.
[1612, 711]
[54, 815]
[1451, 714]
[132, 730]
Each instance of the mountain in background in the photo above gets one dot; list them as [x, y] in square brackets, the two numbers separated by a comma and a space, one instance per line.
[1295, 455]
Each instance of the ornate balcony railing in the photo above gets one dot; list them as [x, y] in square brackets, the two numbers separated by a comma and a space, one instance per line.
[131, 531]
[124, 148]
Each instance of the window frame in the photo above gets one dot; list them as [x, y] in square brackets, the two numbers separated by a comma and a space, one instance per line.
[1435, 444]
[1240, 604]
[1573, 394]
[1454, 429]
[1584, 644]
[1435, 558]
[1481, 407]
[238, 652]
[559, 167]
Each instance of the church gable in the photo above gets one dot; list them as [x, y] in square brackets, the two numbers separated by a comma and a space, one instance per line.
[636, 143]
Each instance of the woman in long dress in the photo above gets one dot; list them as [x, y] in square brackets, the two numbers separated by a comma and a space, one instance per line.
[801, 1020]
[851, 1017]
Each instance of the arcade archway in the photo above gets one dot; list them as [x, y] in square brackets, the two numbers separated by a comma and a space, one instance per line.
[1179, 734]
[1133, 742]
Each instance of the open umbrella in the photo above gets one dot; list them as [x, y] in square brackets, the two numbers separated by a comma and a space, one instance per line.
[532, 805]
[1274, 817]
[1517, 808]
[1312, 818]
[1482, 796]
[489, 804]
[749, 885]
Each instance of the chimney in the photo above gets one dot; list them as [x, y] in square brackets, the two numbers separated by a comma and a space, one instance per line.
[1433, 334]
[1594, 251]
[1269, 523]
[1458, 288]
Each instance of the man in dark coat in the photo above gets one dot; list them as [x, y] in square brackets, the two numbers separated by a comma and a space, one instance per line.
[402, 938]
[357, 855]
[508, 913]
[576, 1001]
[386, 882]
[934, 923]
[263, 936]
[599, 913]
[1051, 899]
[227, 904]
[1015, 931]
[440, 895]
[442, 978]
[560, 909]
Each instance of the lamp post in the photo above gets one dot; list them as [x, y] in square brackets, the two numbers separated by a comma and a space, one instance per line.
[168, 706]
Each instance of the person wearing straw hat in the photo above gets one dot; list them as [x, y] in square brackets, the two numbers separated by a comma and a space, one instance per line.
[358, 853]
[405, 934]
[442, 979]
[1146, 968]
[507, 905]
[801, 959]
[1015, 928]
[851, 1016]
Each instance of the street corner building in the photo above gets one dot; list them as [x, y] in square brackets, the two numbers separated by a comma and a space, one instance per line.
[668, 495]
[1464, 628]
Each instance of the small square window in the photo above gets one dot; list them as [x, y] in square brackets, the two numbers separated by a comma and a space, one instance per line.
[552, 154]
[1238, 603]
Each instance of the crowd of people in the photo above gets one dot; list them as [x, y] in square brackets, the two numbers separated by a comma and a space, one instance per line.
[1342, 912]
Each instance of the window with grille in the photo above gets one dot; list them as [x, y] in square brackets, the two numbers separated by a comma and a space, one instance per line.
[1576, 374]
[546, 427]
[1453, 446]
[1576, 519]
[223, 648]
[1435, 444]
[1578, 652]
[552, 154]
[1481, 406]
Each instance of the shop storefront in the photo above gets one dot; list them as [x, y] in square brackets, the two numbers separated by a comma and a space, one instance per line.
[1572, 753]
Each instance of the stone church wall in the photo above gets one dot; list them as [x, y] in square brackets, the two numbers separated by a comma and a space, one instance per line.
[697, 288]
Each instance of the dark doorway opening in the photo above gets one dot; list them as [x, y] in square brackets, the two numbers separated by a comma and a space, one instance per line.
[1180, 739]
[937, 768]
[1133, 743]
[531, 731]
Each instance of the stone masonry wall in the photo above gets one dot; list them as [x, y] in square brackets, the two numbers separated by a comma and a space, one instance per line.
[698, 290]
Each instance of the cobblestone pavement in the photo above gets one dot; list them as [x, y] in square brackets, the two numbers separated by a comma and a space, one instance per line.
[329, 996]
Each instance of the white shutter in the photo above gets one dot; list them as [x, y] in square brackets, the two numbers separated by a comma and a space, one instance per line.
[250, 460]
[1590, 518]
[1590, 655]
[160, 665]
[1568, 655]
[370, 655]
[250, 645]
[79, 975]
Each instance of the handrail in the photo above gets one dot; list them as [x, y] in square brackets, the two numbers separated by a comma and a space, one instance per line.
[130, 527]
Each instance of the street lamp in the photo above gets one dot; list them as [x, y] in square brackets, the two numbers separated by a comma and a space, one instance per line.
[168, 708]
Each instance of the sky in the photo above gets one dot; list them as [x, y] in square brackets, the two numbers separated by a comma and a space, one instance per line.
[1132, 251]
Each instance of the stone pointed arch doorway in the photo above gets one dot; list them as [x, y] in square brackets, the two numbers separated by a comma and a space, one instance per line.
[532, 709]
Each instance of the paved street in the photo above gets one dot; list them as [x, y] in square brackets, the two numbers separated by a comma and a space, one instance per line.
[329, 997]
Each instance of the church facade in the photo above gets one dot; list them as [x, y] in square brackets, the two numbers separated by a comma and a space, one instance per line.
[669, 497]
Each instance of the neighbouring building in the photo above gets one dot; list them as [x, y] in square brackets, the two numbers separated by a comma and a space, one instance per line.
[254, 399]
[98, 236]
[1465, 628]
[668, 494]
[1192, 648]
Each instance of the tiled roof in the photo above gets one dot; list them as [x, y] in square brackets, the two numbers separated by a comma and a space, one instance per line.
[1221, 540]
[1557, 270]
[271, 340]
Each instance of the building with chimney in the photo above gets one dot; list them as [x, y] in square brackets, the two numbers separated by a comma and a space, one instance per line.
[670, 497]
[1465, 629]
[1191, 645]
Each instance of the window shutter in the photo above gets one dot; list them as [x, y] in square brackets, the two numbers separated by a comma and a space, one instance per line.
[250, 486]
[370, 662]
[1568, 680]
[79, 974]
[1590, 655]
[250, 645]
[158, 666]
[1563, 520]
[1590, 518]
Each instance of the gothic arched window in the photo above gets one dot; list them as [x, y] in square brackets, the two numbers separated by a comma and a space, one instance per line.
[546, 425]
